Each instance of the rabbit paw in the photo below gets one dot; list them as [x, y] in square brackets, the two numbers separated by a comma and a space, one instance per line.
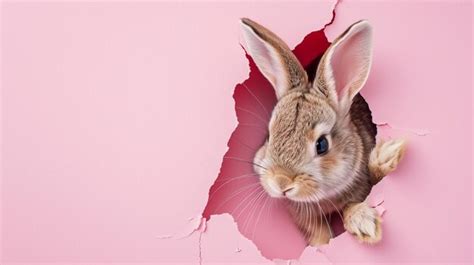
[363, 222]
[385, 157]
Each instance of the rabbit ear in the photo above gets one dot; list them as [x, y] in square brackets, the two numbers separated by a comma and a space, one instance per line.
[345, 66]
[273, 57]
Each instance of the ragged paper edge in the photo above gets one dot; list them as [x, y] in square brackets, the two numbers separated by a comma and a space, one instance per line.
[414, 131]
[238, 250]
[199, 223]
[195, 224]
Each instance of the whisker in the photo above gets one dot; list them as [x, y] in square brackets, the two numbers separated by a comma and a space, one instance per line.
[272, 201]
[323, 214]
[254, 192]
[259, 102]
[303, 215]
[259, 214]
[307, 220]
[320, 222]
[227, 182]
[335, 207]
[263, 128]
[246, 161]
[252, 209]
[236, 193]
[313, 218]
[263, 120]
[250, 202]
[246, 145]
[237, 177]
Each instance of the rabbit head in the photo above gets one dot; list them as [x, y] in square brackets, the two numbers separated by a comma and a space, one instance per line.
[313, 150]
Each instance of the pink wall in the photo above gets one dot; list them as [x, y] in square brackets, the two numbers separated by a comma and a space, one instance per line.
[115, 118]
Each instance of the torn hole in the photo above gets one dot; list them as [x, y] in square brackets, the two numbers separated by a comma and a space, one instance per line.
[237, 190]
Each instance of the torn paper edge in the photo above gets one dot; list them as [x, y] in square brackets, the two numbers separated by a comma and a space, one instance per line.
[198, 225]
[415, 131]
[337, 2]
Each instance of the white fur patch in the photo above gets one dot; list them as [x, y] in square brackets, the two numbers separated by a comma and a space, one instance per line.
[364, 222]
[387, 154]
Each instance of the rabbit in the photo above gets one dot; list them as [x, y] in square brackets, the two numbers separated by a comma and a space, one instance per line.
[321, 154]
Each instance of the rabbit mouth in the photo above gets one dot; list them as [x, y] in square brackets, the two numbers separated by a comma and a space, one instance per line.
[297, 189]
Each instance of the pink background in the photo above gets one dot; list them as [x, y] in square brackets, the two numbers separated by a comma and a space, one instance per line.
[115, 118]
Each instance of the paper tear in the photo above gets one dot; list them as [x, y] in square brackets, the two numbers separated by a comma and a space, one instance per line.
[376, 200]
[202, 226]
[164, 237]
[381, 210]
[313, 255]
[224, 229]
[282, 262]
[200, 248]
[195, 224]
[417, 132]
[236, 190]
[333, 14]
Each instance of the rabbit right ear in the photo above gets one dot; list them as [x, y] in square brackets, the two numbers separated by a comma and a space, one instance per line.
[273, 58]
[345, 66]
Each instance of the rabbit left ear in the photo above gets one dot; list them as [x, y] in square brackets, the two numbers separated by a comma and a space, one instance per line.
[273, 58]
[344, 67]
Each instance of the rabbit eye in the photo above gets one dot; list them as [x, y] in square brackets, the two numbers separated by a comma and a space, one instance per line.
[322, 145]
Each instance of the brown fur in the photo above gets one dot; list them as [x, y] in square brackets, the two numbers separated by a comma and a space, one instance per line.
[306, 111]
[296, 75]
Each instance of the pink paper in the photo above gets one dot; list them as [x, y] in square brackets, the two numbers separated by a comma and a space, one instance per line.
[116, 117]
